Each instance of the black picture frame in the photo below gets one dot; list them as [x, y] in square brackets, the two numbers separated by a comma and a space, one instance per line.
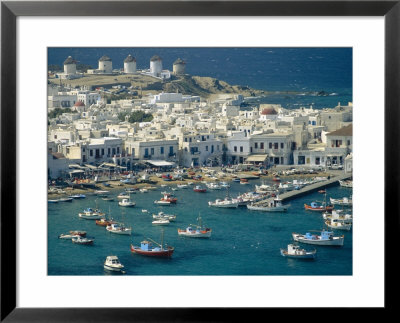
[10, 10]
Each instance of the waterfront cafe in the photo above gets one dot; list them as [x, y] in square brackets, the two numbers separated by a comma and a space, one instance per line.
[257, 159]
[160, 165]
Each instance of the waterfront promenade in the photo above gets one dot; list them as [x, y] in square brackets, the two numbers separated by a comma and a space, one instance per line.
[311, 188]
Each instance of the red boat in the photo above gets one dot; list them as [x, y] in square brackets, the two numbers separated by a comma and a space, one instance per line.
[78, 233]
[168, 198]
[146, 249]
[319, 208]
[276, 179]
[104, 222]
[199, 189]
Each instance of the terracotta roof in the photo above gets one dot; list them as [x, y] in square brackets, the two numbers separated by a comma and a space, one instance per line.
[79, 104]
[57, 155]
[269, 111]
[345, 131]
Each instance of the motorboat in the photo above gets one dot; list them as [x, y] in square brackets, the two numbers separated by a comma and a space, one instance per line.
[109, 199]
[91, 214]
[272, 205]
[127, 202]
[161, 202]
[78, 196]
[112, 263]
[82, 240]
[314, 206]
[143, 190]
[338, 224]
[294, 251]
[225, 184]
[123, 195]
[244, 181]
[196, 231]
[182, 186]
[118, 228]
[162, 215]
[199, 189]
[225, 203]
[65, 199]
[264, 188]
[336, 215]
[52, 201]
[248, 198]
[101, 192]
[345, 201]
[146, 248]
[346, 183]
[213, 186]
[68, 236]
[325, 238]
[78, 233]
[167, 197]
[160, 222]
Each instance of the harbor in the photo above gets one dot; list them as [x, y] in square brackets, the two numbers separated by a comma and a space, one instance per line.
[243, 242]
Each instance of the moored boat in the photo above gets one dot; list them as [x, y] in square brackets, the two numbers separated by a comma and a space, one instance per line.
[294, 251]
[91, 214]
[336, 214]
[112, 263]
[160, 222]
[78, 196]
[225, 203]
[104, 222]
[65, 199]
[325, 238]
[345, 201]
[196, 231]
[118, 228]
[162, 215]
[338, 224]
[127, 202]
[199, 189]
[346, 183]
[272, 205]
[146, 248]
[82, 240]
[314, 206]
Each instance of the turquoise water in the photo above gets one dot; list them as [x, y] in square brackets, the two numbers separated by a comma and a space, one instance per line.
[243, 242]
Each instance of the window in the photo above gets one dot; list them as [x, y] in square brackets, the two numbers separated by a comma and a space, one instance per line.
[55, 136]
[235, 149]
[117, 150]
[255, 145]
[348, 143]
[185, 139]
[152, 151]
[109, 151]
[281, 145]
[102, 151]
[276, 145]
[270, 145]
[241, 149]
[162, 150]
[91, 152]
[206, 148]
[262, 145]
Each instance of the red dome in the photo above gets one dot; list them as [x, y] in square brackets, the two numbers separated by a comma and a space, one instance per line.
[269, 111]
[79, 104]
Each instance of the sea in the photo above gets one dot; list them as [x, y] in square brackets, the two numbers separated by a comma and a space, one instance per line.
[243, 242]
[298, 76]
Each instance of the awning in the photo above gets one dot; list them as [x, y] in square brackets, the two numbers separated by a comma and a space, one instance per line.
[256, 158]
[91, 166]
[76, 171]
[108, 165]
[77, 166]
[160, 163]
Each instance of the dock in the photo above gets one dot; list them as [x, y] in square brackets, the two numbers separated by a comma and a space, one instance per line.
[312, 188]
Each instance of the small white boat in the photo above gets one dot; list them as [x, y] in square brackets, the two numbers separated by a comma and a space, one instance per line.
[162, 215]
[65, 199]
[68, 236]
[347, 183]
[336, 214]
[144, 211]
[224, 184]
[274, 205]
[213, 186]
[160, 222]
[294, 251]
[112, 263]
[338, 224]
[345, 201]
[101, 192]
[91, 214]
[78, 196]
[118, 228]
[144, 190]
[326, 238]
[123, 195]
[126, 202]
[161, 202]
[196, 231]
[82, 240]
[225, 203]
[52, 201]
[182, 186]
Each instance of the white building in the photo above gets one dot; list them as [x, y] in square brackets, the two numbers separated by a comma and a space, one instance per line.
[152, 149]
[199, 149]
[238, 147]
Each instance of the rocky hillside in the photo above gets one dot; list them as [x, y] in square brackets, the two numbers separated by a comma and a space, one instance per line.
[207, 86]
